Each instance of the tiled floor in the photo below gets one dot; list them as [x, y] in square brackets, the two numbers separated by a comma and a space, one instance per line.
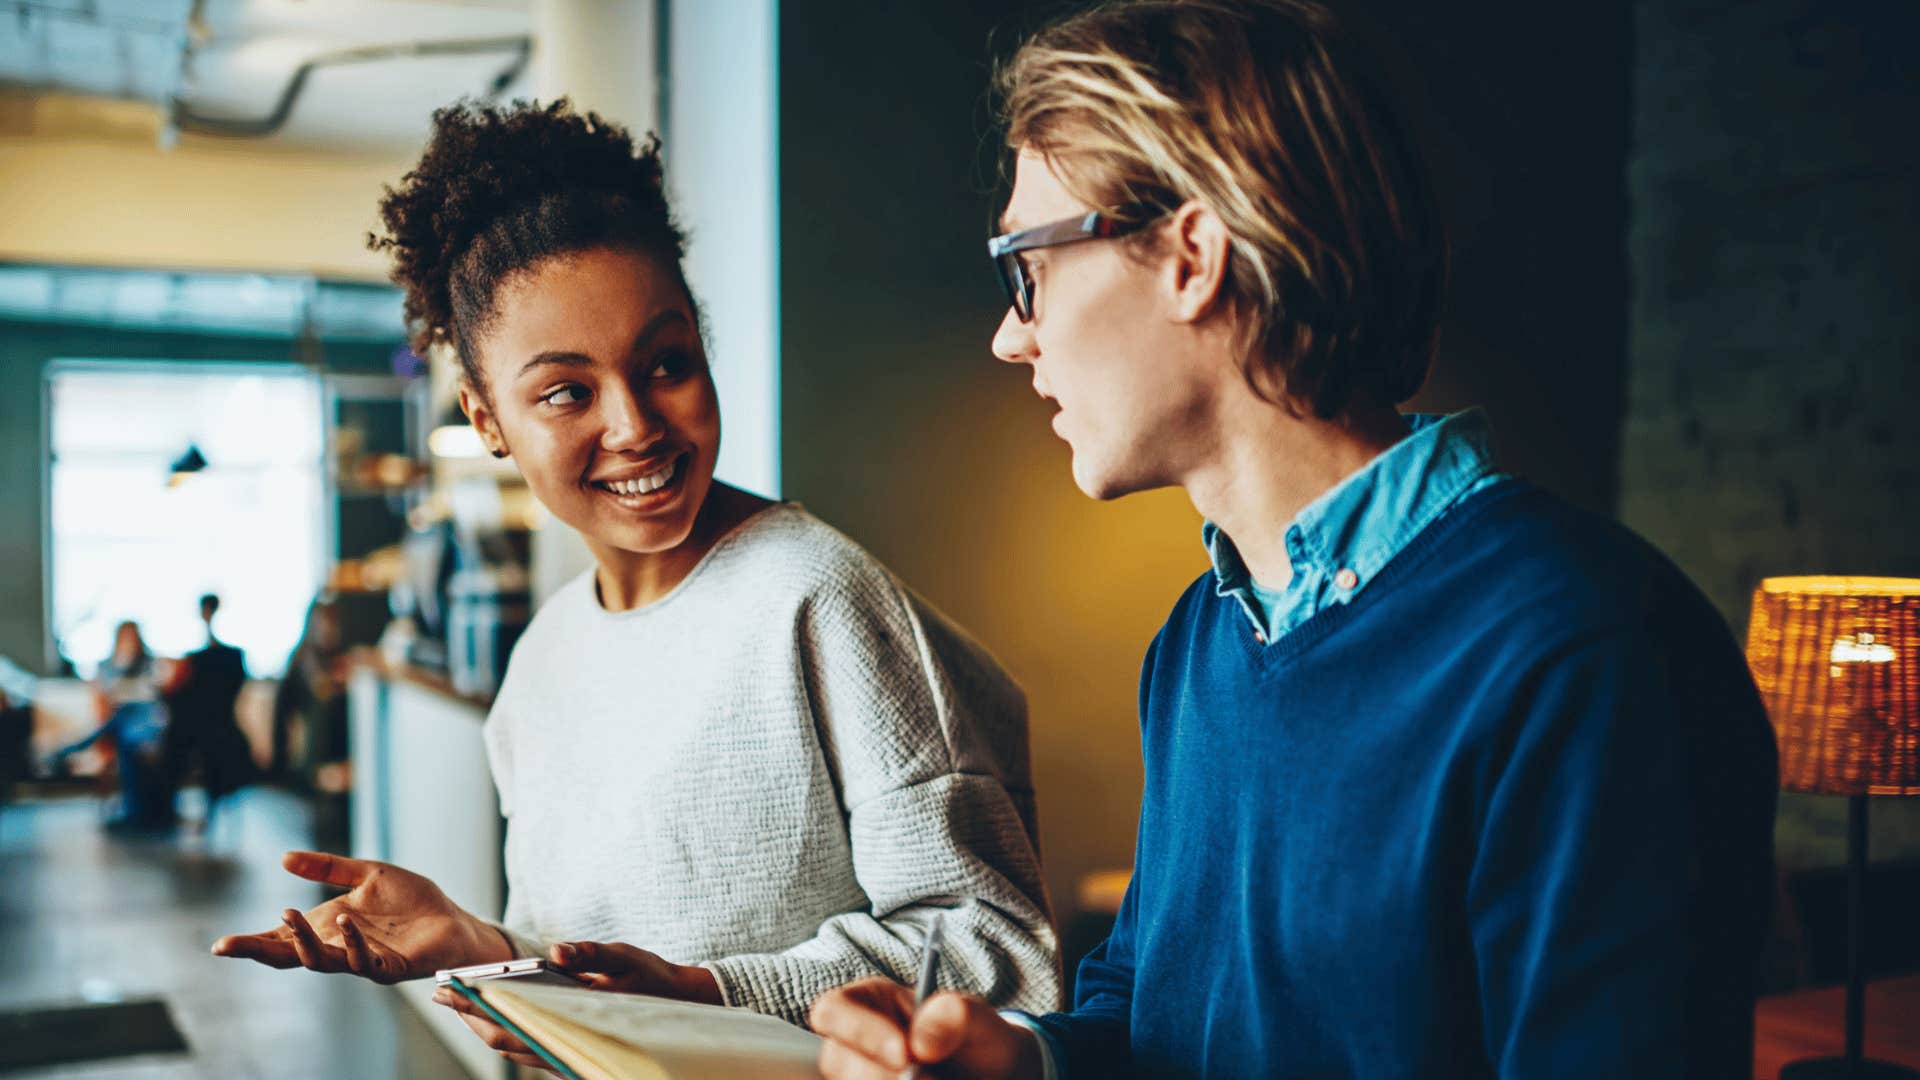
[87, 916]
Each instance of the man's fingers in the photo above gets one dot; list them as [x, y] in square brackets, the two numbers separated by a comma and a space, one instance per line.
[273, 948]
[838, 1061]
[306, 945]
[869, 1016]
[328, 869]
[946, 1023]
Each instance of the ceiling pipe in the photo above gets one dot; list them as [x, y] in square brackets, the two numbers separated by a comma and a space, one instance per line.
[185, 118]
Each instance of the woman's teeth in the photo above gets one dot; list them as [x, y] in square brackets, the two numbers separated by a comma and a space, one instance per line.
[644, 484]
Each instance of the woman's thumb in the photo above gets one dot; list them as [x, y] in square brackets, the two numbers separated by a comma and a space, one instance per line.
[592, 956]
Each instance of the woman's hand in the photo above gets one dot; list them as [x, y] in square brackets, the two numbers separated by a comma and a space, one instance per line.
[391, 924]
[874, 1032]
[610, 965]
[599, 965]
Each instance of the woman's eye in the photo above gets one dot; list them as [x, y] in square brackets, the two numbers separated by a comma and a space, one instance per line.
[673, 365]
[566, 395]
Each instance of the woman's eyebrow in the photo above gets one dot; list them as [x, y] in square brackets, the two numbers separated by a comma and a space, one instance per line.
[565, 358]
[561, 359]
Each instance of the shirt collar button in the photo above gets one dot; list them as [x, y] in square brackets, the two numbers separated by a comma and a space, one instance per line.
[1346, 578]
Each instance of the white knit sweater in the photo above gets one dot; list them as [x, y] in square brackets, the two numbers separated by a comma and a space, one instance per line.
[779, 770]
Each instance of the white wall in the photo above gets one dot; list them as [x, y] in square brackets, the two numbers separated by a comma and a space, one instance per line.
[721, 156]
[721, 159]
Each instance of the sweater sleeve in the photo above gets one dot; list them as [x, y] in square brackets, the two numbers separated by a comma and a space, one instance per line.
[1593, 892]
[926, 740]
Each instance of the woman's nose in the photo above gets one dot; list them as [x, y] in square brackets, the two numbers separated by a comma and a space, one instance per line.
[1013, 341]
[631, 423]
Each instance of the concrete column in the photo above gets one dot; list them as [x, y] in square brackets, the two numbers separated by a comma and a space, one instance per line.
[600, 53]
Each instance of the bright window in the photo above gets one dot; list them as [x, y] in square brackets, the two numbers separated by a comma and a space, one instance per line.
[129, 541]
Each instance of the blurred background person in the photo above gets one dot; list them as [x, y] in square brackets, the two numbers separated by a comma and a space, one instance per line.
[203, 736]
[16, 734]
[127, 697]
[312, 694]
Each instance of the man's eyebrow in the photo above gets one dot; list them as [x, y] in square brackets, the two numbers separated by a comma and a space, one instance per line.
[563, 358]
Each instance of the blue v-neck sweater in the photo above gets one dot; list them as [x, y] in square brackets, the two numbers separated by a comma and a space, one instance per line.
[1507, 813]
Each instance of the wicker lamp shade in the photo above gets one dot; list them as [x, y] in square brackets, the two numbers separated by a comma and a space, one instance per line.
[1837, 660]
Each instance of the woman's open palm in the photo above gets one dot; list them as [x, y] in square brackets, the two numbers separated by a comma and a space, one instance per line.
[391, 924]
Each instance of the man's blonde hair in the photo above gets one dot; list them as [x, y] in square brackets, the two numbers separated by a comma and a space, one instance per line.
[1260, 110]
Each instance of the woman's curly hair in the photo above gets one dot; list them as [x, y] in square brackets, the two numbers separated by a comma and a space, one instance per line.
[500, 189]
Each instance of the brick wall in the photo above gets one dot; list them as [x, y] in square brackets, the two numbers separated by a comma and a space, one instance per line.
[1774, 330]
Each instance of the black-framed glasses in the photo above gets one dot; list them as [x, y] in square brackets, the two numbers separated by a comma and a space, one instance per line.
[1096, 225]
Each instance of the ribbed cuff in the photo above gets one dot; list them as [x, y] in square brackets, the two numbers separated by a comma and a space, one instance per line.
[771, 985]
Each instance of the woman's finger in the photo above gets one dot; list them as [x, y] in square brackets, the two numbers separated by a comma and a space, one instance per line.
[604, 957]
[273, 948]
[306, 944]
[337, 870]
[360, 959]
[496, 1037]
[458, 1002]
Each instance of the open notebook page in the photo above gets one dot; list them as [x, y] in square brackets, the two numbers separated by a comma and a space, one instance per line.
[655, 1037]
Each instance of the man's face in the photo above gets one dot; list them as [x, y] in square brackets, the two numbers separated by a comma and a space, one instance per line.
[1134, 397]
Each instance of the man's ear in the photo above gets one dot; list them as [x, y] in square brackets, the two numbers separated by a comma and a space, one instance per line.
[1195, 247]
[480, 414]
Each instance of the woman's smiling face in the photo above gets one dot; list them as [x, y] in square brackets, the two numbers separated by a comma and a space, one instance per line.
[597, 384]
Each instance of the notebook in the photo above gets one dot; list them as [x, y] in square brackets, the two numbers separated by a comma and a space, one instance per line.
[598, 1035]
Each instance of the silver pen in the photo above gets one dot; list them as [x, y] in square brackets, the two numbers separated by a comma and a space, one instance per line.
[929, 973]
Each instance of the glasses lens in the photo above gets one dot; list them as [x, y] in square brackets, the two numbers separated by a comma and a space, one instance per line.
[1013, 281]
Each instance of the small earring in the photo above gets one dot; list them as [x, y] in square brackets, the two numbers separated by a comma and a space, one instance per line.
[499, 453]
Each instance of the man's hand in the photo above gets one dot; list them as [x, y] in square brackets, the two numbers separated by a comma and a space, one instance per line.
[873, 1032]
[600, 965]
[391, 924]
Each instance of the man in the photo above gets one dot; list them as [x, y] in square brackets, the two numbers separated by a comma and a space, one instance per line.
[1443, 776]
[203, 730]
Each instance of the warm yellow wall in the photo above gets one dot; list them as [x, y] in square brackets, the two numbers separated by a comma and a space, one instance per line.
[84, 182]
[979, 512]
[904, 433]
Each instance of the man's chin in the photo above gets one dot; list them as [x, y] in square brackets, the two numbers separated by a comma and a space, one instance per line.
[1105, 485]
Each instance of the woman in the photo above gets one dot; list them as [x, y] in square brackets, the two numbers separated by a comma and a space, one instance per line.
[737, 742]
[311, 693]
[128, 696]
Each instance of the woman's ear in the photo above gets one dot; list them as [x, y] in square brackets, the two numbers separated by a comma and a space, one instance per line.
[480, 414]
[1196, 247]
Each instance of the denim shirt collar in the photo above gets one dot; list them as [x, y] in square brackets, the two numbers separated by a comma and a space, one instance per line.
[1339, 541]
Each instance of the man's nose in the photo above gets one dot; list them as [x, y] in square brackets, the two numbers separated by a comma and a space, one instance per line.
[1013, 342]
